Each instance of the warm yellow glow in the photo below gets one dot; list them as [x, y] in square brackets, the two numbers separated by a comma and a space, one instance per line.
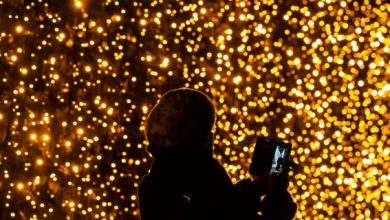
[76, 88]
[39, 162]
[19, 29]
[78, 4]
[20, 186]
[33, 136]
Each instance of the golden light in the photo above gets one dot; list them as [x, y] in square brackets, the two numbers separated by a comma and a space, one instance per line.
[88, 69]
[45, 137]
[165, 62]
[78, 4]
[76, 87]
[75, 169]
[100, 29]
[19, 29]
[33, 136]
[39, 162]
[143, 22]
[14, 58]
[80, 131]
[20, 186]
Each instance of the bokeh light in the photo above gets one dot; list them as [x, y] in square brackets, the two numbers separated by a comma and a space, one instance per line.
[78, 78]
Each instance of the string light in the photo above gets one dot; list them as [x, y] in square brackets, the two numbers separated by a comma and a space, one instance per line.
[78, 79]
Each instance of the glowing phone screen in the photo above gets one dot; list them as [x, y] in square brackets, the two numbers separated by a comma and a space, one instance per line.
[278, 160]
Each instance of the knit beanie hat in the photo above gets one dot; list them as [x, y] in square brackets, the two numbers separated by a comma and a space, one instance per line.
[181, 118]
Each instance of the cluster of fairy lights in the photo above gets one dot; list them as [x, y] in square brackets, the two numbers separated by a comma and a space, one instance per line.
[77, 79]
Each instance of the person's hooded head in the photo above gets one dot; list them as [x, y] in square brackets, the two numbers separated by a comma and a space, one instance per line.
[182, 119]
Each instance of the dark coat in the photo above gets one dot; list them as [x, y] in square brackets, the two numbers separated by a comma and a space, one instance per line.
[191, 185]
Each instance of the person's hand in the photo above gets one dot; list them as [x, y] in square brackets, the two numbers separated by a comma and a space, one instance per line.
[278, 182]
[261, 183]
[278, 203]
[273, 182]
[278, 206]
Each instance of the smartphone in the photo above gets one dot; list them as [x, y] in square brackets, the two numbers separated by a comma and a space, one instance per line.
[269, 156]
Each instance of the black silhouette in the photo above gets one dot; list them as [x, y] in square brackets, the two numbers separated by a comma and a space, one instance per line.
[186, 182]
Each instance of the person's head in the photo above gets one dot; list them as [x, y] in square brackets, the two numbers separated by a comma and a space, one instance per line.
[182, 118]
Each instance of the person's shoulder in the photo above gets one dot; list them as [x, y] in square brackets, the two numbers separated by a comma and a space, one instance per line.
[218, 171]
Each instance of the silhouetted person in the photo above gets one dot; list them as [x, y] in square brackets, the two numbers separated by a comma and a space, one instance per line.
[186, 182]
